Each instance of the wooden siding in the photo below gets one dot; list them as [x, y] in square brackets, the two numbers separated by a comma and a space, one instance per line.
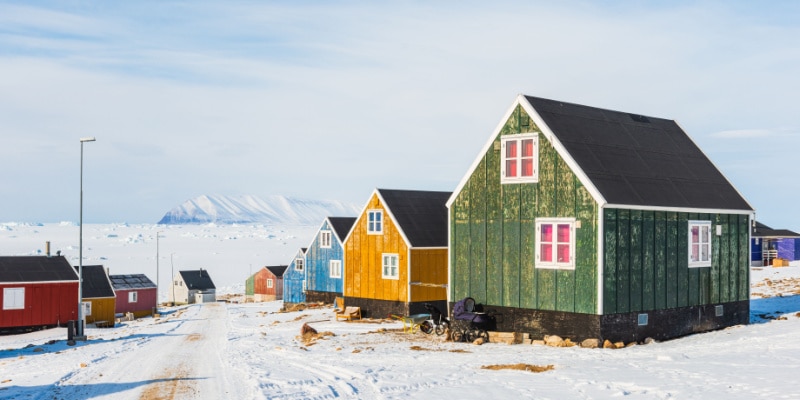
[103, 309]
[293, 281]
[646, 261]
[46, 304]
[144, 305]
[318, 260]
[363, 277]
[428, 274]
[492, 228]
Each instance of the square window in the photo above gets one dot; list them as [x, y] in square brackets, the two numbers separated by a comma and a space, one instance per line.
[699, 244]
[520, 160]
[374, 222]
[298, 264]
[555, 243]
[14, 298]
[391, 269]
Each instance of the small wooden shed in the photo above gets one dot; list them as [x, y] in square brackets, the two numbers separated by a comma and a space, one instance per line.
[395, 255]
[37, 292]
[325, 260]
[294, 279]
[98, 295]
[136, 294]
[591, 223]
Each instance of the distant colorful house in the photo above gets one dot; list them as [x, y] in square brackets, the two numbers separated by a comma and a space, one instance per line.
[294, 279]
[774, 246]
[585, 222]
[37, 292]
[193, 286]
[395, 255]
[266, 284]
[98, 295]
[325, 260]
[136, 294]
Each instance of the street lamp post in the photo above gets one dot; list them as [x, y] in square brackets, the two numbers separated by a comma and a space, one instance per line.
[79, 329]
[158, 233]
[172, 279]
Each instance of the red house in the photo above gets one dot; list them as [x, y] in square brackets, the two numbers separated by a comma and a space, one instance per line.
[136, 294]
[266, 284]
[37, 292]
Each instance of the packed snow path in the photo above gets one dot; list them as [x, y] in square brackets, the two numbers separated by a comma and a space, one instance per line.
[180, 360]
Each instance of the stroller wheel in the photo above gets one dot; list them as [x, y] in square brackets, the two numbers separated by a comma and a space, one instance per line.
[441, 328]
[426, 327]
[458, 335]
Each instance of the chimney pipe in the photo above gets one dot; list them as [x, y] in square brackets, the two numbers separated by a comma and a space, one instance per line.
[47, 248]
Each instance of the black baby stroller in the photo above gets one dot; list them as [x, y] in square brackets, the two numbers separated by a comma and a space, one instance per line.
[470, 322]
[438, 322]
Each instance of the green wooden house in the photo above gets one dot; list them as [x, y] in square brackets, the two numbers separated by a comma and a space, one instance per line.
[590, 223]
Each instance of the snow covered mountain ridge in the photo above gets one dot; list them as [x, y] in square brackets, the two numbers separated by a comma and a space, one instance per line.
[274, 209]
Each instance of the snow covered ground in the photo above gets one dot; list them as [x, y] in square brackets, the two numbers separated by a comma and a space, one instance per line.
[254, 351]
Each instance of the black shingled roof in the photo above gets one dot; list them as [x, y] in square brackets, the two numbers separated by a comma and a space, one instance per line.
[638, 160]
[277, 270]
[197, 279]
[763, 231]
[36, 269]
[132, 281]
[422, 215]
[95, 282]
[342, 225]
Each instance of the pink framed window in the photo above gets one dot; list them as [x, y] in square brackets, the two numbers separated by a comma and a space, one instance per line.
[519, 159]
[555, 243]
[699, 244]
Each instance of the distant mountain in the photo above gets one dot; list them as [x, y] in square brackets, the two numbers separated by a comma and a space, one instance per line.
[249, 209]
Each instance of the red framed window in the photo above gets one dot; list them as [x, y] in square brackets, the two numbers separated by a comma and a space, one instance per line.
[555, 243]
[520, 160]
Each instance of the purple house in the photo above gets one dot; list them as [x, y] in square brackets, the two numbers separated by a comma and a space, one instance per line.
[768, 245]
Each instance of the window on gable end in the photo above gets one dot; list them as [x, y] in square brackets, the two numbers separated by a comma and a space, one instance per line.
[374, 222]
[519, 158]
[325, 239]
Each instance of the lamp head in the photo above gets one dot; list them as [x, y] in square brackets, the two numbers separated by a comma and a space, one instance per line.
[88, 139]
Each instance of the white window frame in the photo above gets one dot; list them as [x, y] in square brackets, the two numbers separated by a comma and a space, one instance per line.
[299, 264]
[534, 177]
[325, 239]
[373, 227]
[269, 283]
[335, 268]
[386, 269]
[700, 262]
[14, 298]
[133, 297]
[555, 264]
[87, 308]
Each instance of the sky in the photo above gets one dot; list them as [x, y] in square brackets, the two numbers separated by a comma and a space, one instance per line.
[329, 100]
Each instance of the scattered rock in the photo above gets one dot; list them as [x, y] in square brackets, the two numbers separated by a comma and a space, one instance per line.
[608, 345]
[539, 342]
[569, 343]
[29, 346]
[590, 343]
[619, 345]
[554, 341]
[84, 365]
[479, 341]
[38, 350]
[306, 329]
[649, 341]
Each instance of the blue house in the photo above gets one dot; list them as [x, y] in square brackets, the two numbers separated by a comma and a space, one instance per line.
[294, 279]
[325, 260]
[777, 247]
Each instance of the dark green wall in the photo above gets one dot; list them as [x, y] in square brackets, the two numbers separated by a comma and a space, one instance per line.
[493, 233]
[646, 261]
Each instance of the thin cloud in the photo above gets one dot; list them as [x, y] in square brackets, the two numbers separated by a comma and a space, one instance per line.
[742, 134]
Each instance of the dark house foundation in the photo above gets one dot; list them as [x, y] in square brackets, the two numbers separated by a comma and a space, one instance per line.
[371, 308]
[321, 297]
[628, 327]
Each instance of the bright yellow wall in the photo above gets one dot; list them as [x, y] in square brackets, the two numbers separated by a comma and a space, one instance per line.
[363, 259]
[429, 268]
[102, 309]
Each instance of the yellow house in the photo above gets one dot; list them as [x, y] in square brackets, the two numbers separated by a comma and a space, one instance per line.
[99, 298]
[395, 256]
